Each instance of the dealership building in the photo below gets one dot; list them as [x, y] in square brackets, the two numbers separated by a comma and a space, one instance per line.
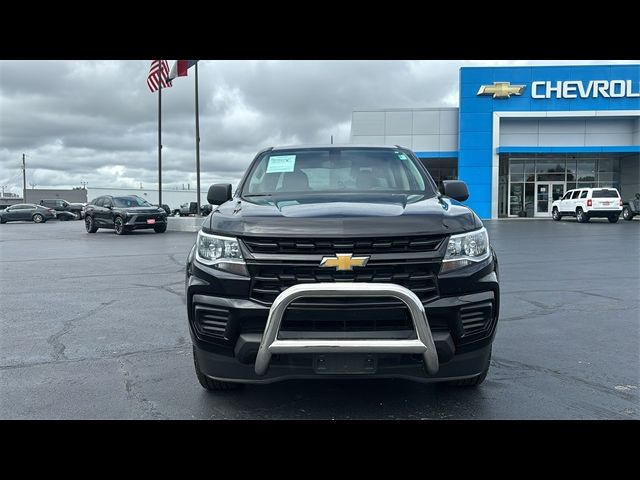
[522, 136]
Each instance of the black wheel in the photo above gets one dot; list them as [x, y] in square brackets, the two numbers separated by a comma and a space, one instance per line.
[118, 226]
[556, 214]
[626, 213]
[613, 218]
[2, 220]
[211, 384]
[160, 228]
[38, 218]
[581, 216]
[90, 225]
[472, 382]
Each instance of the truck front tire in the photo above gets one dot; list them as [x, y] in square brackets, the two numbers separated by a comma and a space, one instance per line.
[472, 382]
[209, 383]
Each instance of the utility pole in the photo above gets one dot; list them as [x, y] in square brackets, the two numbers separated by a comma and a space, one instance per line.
[24, 180]
[197, 147]
[159, 133]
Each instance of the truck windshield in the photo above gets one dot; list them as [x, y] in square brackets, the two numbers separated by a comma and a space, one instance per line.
[334, 171]
[130, 202]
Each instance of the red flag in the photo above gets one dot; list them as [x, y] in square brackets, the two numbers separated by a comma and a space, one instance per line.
[152, 79]
[180, 68]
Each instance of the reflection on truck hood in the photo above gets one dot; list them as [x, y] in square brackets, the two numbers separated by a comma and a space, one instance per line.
[341, 214]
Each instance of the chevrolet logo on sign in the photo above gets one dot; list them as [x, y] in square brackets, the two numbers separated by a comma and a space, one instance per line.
[501, 90]
[344, 261]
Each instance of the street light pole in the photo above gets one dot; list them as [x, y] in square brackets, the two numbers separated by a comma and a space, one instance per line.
[197, 147]
[24, 180]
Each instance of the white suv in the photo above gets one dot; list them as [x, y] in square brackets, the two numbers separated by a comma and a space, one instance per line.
[586, 203]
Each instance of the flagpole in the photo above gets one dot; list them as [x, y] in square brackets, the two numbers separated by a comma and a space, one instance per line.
[160, 134]
[197, 145]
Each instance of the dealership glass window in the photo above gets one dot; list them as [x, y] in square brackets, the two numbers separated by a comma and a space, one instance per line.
[576, 171]
[571, 169]
[608, 177]
[441, 169]
[529, 198]
[611, 164]
[515, 199]
[517, 170]
[586, 170]
[503, 185]
[530, 170]
[550, 170]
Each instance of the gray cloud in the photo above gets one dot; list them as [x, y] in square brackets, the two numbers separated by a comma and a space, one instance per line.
[96, 121]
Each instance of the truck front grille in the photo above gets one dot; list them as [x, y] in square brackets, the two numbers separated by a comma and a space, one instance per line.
[350, 245]
[270, 279]
[331, 315]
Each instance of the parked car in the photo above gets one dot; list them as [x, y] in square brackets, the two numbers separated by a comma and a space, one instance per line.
[338, 261]
[186, 209]
[27, 212]
[60, 205]
[124, 214]
[165, 207]
[587, 203]
[631, 208]
[65, 216]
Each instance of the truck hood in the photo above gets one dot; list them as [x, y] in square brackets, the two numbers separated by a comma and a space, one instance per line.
[341, 215]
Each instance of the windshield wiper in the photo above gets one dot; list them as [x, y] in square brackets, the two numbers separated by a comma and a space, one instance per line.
[258, 195]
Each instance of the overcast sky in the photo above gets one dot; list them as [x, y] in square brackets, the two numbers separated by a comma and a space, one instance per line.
[96, 121]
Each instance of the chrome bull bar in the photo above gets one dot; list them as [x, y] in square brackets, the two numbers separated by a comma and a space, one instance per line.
[423, 344]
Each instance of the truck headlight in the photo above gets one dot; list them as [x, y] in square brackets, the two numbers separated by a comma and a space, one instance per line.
[466, 249]
[220, 252]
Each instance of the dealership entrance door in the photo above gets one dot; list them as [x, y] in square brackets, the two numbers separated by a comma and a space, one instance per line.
[546, 194]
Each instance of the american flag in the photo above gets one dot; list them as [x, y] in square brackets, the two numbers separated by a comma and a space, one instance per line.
[152, 79]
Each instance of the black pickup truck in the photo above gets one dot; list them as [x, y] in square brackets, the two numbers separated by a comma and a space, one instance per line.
[339, 262]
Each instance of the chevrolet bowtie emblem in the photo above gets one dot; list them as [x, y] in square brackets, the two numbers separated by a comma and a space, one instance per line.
[501, 90]
[344, 261]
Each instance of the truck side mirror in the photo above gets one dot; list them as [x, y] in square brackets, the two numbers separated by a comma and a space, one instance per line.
[219, 193]
[456, 189]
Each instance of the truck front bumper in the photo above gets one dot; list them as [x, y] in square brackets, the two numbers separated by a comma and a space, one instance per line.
[237, 339]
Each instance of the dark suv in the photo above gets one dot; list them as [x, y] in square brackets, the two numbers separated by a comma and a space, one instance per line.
[60, 205]
[338, 261]
[124, 214]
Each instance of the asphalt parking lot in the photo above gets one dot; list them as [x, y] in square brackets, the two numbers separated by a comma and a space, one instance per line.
[94, 327]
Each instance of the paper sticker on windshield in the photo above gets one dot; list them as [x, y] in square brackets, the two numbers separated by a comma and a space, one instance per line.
[281, 163]
[402, 156]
